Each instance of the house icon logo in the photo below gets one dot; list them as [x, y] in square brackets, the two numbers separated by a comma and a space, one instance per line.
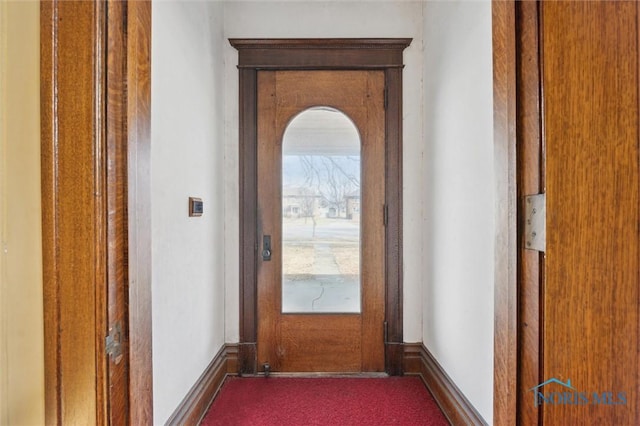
[554, 380]
[556, 392]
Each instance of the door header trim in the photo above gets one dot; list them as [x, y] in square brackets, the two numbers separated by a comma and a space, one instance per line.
[333, 53]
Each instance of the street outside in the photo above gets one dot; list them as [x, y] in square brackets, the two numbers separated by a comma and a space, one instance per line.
[321, 268]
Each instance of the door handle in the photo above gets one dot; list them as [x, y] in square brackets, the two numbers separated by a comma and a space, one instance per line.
[266, 248]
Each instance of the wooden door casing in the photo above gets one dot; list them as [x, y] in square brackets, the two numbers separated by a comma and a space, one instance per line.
[321, 342]
[114, 188]
[319, 54]
[505, 354]
[95, 118]
[530, 181]
[73, 264]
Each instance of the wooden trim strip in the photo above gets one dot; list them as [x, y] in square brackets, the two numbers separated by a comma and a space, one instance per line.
[248, 187]
[326, 43]
[196, 403]
[505, 280]
[49, 177]
[456, 407]
[393, 230]
[637, 301]
[139, 211]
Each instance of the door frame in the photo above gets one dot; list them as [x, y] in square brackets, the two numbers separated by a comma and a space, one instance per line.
[95, 140]
[319, 54]
[505, 284]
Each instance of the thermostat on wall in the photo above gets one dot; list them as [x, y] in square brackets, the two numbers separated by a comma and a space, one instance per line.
[195, 207]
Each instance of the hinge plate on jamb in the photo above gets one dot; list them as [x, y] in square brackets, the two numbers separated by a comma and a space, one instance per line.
[385, 215]
[113, 342]
[386, 97]
[535, 224]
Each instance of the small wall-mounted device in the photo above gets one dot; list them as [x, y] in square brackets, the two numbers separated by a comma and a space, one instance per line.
[195, 207]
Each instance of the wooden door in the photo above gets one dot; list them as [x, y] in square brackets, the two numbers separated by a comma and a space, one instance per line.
[288, 339]
[578, 133]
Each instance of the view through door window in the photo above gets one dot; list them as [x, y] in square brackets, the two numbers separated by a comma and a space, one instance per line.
[321, 214]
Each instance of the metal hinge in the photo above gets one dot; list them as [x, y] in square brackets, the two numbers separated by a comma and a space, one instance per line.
[386, 97]
[385, 215]
[113, 343]
[385, 326]
[535, 224]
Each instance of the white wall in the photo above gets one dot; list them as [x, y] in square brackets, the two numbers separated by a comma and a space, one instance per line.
[458, 196]
[187, 152]
[332, 19]
[21, 314]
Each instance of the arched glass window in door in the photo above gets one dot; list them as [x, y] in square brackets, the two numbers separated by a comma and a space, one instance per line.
[321, 213]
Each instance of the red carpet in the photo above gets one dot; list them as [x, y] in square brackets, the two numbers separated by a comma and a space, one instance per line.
[324, 401]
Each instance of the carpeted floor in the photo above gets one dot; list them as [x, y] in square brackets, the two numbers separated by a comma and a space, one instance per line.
[324, 401]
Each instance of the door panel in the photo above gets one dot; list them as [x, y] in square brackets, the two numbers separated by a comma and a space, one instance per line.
[321, 342]
[590, 79]
[582, 297]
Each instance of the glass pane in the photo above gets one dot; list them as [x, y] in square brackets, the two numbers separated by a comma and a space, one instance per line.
[321, 214]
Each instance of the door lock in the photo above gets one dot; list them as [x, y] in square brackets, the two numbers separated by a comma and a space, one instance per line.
[266, 248]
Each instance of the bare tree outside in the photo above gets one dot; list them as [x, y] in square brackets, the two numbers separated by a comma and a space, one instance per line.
[333, 177]
[308, 201]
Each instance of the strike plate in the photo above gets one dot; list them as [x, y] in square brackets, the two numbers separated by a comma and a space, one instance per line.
[535, 232]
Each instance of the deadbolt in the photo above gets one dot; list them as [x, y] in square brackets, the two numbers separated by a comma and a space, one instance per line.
[266, 247]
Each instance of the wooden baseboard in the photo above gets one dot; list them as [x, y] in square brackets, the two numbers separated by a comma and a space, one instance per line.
[232, 358]
[195, 405]
[458, 410]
